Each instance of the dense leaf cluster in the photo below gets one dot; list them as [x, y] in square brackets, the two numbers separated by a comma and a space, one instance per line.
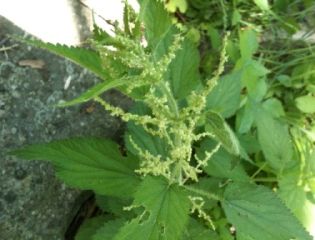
[219, 143]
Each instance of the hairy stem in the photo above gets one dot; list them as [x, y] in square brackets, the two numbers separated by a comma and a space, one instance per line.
[171, 100]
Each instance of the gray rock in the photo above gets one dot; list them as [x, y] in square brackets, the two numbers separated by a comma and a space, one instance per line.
[33, 203]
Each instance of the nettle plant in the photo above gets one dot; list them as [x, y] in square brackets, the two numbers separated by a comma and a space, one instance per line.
[206, 155]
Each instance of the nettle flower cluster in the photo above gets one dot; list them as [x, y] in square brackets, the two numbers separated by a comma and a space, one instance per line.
[175, 125]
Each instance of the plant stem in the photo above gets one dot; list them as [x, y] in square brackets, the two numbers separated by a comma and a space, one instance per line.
[171, 100]
[258, 171]
[177, 171]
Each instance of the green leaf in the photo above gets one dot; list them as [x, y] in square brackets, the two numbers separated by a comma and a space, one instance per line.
[274, 107]
[222, 132]
[94, 92]
[184, 70]
[245, 117]
[114, 205]
[207, 185]
[173, 5]
[89, 228]
[222, 164]
[156, 20]
[232, 50]
[154, 144]
[197, 231]
[88, 163]
[221, 102]
[250, 143]
[223, 228]
[165, 42]
[252, 73]
[258, 214]
[275, 141]
[281, 5]
[292, 192]
[262, 4]
[248, 43]
[215, 37]
[166, 212]
[285, 80]
[257, 88]
[236, 17]
[88, 59]
[310, 88]
[108, 230]
[310, 163]
[306, 103]
[100, 35]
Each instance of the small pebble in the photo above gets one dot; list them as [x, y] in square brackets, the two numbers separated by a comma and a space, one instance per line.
[13, 130]
[22, 138]
[16, 94]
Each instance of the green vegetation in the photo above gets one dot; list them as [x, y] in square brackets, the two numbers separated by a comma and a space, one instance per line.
[220, 141]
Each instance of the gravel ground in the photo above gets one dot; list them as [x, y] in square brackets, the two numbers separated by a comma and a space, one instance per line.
[33, 203]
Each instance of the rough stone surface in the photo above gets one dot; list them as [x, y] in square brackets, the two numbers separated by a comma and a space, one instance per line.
[33, 203]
